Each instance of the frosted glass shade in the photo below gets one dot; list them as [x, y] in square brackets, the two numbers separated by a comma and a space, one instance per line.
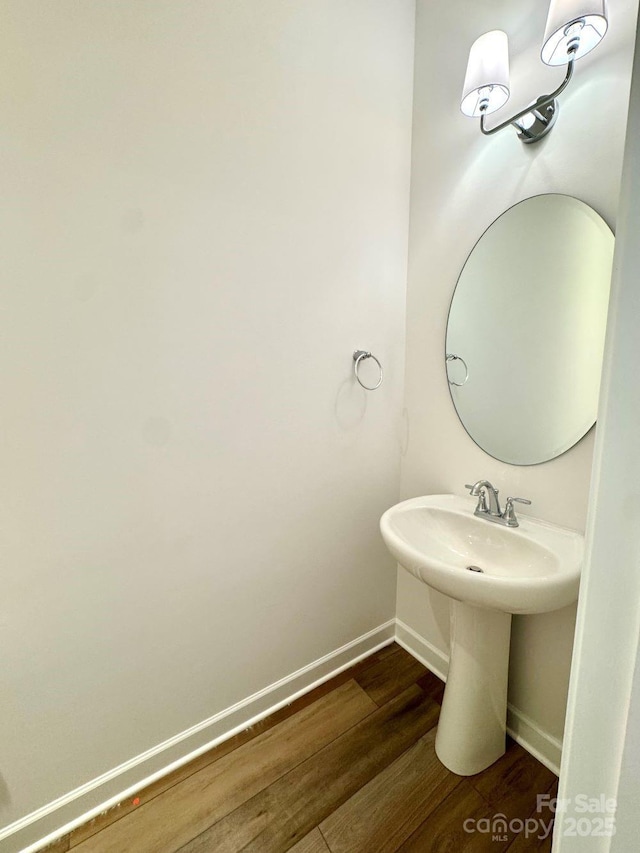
[580, 22]
[487, 76]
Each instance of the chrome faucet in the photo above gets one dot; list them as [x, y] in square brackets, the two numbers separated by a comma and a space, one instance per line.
[484, 490]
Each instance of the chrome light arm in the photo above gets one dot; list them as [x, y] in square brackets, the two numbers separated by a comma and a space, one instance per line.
[544, 110]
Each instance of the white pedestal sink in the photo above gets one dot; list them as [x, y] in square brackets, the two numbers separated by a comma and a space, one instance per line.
[529, 569]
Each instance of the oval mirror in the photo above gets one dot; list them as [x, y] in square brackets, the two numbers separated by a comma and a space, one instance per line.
[526, 328]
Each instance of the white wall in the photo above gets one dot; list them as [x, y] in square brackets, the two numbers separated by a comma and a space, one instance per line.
[205, 211]
[461, 181]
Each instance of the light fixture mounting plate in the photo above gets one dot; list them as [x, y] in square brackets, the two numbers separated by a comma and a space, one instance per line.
[544, 119]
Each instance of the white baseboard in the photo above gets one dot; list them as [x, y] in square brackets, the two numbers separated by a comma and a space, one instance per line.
[542, 745]
[38, 829]
[433, 658]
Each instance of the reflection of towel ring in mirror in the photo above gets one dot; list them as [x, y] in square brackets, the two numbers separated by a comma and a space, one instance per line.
[358, 356]
[452, 357]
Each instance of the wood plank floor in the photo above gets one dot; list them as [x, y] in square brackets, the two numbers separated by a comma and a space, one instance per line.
[348, 768]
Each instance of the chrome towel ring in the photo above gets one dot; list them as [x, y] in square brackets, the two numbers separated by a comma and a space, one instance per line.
[358, 356]
[453, 357]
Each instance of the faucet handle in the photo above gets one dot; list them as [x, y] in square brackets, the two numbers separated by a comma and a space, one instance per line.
[509, 513]
[481, 506]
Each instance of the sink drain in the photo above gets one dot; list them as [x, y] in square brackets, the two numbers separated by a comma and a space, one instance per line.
[475, 569]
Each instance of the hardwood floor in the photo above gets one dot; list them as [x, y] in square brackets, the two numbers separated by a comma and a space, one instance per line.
[348, 768]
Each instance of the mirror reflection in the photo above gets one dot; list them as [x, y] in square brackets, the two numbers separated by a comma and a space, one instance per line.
[526, 329]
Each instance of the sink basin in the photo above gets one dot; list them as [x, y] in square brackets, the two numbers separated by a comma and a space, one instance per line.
[532, 568]
[489, 573]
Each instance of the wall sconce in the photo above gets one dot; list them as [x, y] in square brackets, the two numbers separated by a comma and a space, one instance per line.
[574, 28]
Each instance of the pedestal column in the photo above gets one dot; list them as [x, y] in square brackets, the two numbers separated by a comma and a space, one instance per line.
[473, 721]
